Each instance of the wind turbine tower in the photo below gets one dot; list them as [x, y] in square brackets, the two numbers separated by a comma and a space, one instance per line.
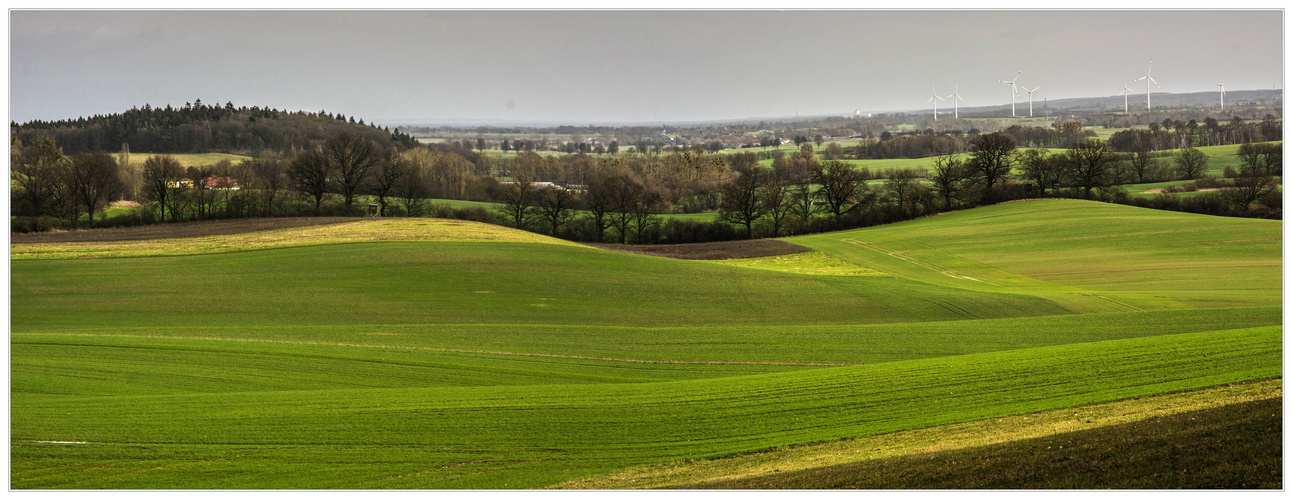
[1125, 92]
[956, 110]
[1151, 79]
[935, 96]
[1030, 99]
[1223, 95]
[1014, 92]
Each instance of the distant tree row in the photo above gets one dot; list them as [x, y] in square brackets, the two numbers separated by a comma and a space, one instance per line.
[1175, 134]
[929, 143]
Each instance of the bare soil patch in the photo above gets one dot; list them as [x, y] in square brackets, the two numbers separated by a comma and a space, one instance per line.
[176, 230]
[719, 250]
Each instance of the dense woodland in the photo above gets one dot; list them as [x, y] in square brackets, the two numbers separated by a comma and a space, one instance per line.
[199, 128]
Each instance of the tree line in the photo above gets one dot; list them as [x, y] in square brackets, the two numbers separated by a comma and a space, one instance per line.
[1178, 134]
[617, 198]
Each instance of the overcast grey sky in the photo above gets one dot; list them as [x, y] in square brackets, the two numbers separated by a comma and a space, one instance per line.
[581, 67]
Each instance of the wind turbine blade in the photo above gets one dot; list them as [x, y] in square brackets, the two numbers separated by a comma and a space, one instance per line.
[1141, 78]
[930, 99]
[1152, 80]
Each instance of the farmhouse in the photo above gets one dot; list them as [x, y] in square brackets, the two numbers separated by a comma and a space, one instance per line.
[553, 185]
[228, 183]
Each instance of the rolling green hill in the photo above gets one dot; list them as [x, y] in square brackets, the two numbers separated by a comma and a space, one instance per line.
[441, 354]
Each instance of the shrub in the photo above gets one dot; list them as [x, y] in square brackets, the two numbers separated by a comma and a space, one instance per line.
[22, 224]
[1209, 182]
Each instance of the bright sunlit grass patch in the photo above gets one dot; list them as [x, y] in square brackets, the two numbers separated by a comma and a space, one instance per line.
[351, 232]
[811, 263]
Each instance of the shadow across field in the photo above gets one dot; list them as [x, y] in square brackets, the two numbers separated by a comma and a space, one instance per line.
[721, 250]
[1234, 446]
[177, 229]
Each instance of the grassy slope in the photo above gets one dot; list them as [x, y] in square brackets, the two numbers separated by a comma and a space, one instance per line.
[1077, 253]
[626, 360]
[537, 435]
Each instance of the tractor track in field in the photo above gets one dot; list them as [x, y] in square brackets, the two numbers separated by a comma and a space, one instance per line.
[462, 351]
[719, 250]
[899, 254]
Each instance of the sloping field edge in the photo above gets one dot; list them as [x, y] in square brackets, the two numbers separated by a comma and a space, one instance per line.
[688, 474]
[344, 232]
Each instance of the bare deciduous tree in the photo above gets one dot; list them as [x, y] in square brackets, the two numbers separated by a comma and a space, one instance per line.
[556, 205]
[518, 199]
[992, 156]
[33, 169]
[624, 195]
[741, 203]
[351, 157]
[902, 184]
[839, 187]
[159, 173]
[1190, 163]
[270, 180]
[386, 177]
[1251, 185]
[777, 201]
[93, 179]
[309, 175]
[1091, 164]
[949, 177]
[1040, 167]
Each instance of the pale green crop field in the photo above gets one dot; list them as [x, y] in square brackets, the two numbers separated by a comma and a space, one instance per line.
[427, 353]
[191, 159]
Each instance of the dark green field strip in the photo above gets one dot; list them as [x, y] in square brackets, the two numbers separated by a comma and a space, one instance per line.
[590, 346]
[432, 282]
[115, 365]
[1232, 447]
[553, 433]
[1092, 246]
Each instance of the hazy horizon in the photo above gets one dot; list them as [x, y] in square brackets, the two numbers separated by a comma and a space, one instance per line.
[605, 67]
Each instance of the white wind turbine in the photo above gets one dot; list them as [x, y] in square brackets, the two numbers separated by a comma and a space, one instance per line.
[935, 96]
[1125, 92]
[1223, 95]
[956, 111]
[1030, 99]
[1151, 79]
[1014, 92]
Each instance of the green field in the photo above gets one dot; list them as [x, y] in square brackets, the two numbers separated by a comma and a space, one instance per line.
[425, 353]
[191, 159]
